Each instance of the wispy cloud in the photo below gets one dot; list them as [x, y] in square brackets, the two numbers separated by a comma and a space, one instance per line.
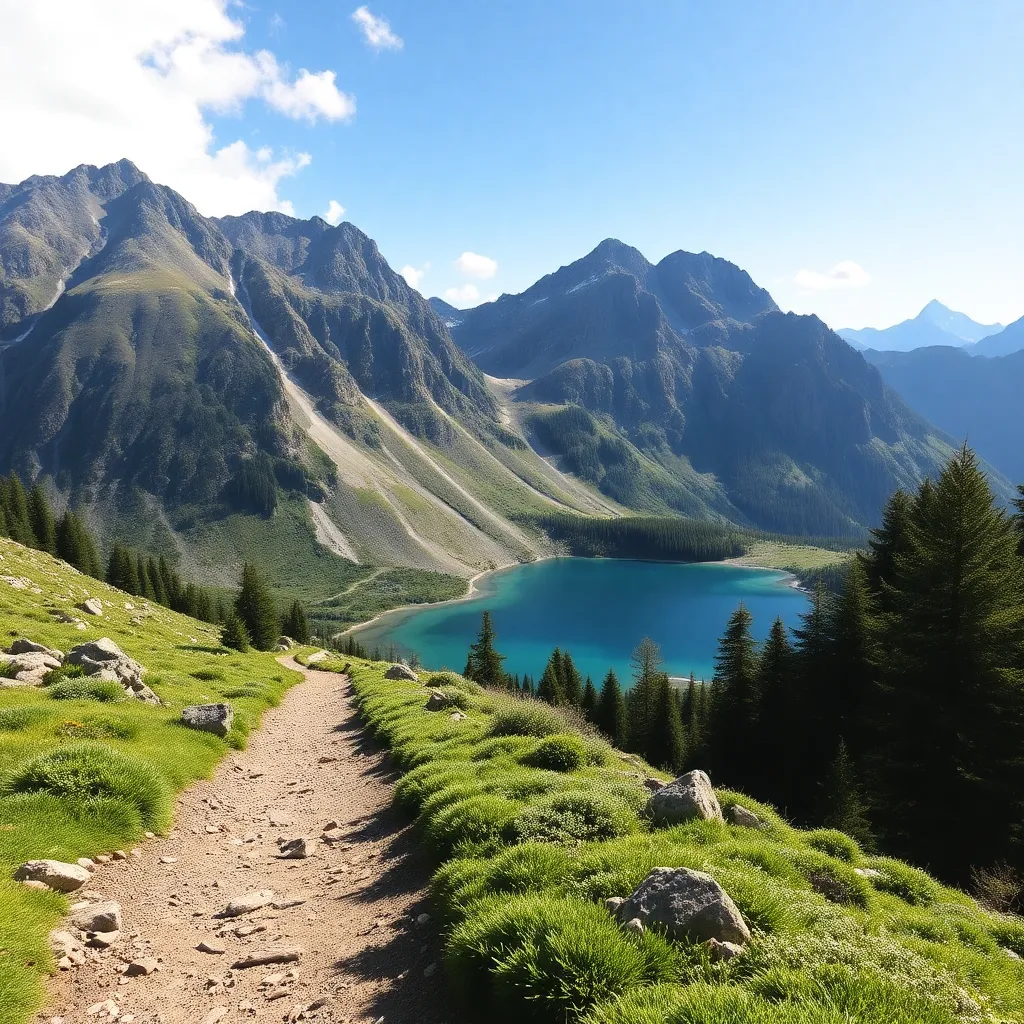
[462, 295]
[335, 211]
[845, 274]
[376, 31]
[472, 264]
[413, 275]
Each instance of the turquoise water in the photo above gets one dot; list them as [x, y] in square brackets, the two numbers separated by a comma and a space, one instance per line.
[599, 609]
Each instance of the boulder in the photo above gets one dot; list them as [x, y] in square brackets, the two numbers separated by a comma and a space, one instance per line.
[315, 659]
[723, 950]
[248, 903]
[401, 672]
[92, 606]
[689, 797]
[25, 646]
[104, 657]
[653, 785]
[435, 702]
[102, 917]
[286, 643]
[54, 874]
[215, 718]
[685, 904]
[739, 815]
[296, 849]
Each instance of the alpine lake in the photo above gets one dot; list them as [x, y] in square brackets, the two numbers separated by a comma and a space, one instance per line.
[596, 608]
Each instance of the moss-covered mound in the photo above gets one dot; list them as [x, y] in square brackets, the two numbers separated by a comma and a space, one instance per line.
[534, 831]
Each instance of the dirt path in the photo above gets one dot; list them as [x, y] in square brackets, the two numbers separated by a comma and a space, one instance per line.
[351, 907]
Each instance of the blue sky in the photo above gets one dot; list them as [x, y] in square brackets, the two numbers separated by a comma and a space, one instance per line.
[885, 139]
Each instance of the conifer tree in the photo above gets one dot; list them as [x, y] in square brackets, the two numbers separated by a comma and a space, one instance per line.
[484, 659]
[589, 701]
[41, 521]
[689, 710]
[778, 741]
[888, 542]
[665, 743]
[295, 625]
[841, 803]
[549, 688]
[234, 633]
[612, 717]
[570, 680]
[156, 582]
[145, 583]
[641, 700]
[1018, 518]
[15, 503]
[4, 530]
[255, 607]
[950, 774]
[75, 545]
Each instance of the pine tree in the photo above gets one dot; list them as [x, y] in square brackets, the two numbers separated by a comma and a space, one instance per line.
[255, 607]
[612, 717]
[549, 688]
[15, 502]
[778, 740]
[665, 744]
[571, 681]
[888, 543]
[646, 661]
[841, 803]
[950, 776]
[589, 701]
[41, 521]
[4, 529]
[234, 634]
[732, 720]
[145, 583]
[156, 582]
[295, 625]
[75, 545]
[1018, 518]
[484, 659]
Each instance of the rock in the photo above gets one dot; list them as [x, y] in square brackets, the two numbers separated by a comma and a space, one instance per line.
[102, 940]
[286, 643]
[334, 835]
[867, 872]
[654, 784]
[315, 659]
[64, 942]
[92, 606]
[635, 926]
[401, 672]
[215, 718]
[423, 919]
[98, 917]
[103, 658]
[689, 797]
[119, 855]
[429, 970]
[33, 884]
[248, 903]
[435, 702]
[86, 862]
[213, 946]
[739, 815]
[262, 957]
[54, 874]
[614, 903]
[686, 904]
[296, 849]
[145, 966]
[24, 646]
[723, 950]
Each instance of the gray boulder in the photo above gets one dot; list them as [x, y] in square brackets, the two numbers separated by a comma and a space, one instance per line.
[102, 917]
[92, 606]
[401, 672]
[54, 874]
[689, 797]
[741, 816]
[686, 905]
[25, 646]
[435, 702]
[215, 718]
[28, 668]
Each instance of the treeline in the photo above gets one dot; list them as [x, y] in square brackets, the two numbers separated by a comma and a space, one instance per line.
[254, 621]
[156, 580]
[648, 537]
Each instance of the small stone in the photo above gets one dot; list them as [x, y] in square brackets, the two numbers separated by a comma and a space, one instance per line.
[296, 849]
[145, 966]
[213, 946]
[150, 835]
[102, 940]
[260, 958]
[287, 904]
[401, 672]
[690, 796]
[98, 917]
[93, 606]
[739, 815]
[215, 718]
[54, 874]
[86, 862]
[723, 950]
[429, 970]
[103, 858]
[614, 903]
[168, 860]
[423, 919]
[246, 904]
[635, 926]
[119, 855]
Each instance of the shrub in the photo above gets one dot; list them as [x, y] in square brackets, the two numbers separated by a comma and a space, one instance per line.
[87, 772]
[528, 867]
[452, 697]
[66, 671]
[207, 675]
[414, 787]
[98, 729]
[835, 843]
[440, 680]
[477, 823]
[574, 817]
[900, 879]
[562, 752]
[13, 719]
[105, 690]
[503, 746]
[835, 880]
[526, 718]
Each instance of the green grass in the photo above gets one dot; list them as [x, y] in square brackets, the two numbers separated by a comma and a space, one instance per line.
[83, 774]
[527, 855]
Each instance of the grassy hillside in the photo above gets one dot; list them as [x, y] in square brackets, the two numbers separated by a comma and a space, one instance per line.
[534, 825]
[142, 753]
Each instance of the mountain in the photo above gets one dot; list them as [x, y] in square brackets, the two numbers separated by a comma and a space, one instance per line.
[1010, 339]
[681, 386]
[936, 324]
[451, 315]
[969, 398]
[254, 386]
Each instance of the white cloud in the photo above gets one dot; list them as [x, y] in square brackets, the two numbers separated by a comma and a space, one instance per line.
[472, 264]
[845, 274]
[93, 81]
[462, 296]
[335, 211]
[413, 275]
[376, 31]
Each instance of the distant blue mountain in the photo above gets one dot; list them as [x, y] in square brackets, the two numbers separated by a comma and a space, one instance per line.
[936, 324]
[1006, 342]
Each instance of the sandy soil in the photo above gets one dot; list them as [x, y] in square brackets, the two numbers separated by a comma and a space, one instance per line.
[349, 912]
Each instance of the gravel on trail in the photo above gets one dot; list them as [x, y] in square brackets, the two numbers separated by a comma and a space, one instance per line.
[232, 917]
